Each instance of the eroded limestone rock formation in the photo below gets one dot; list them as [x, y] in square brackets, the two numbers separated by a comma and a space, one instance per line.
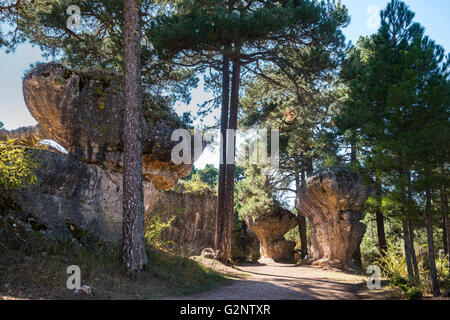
[270, 231]
[83, 112]
[332, 200]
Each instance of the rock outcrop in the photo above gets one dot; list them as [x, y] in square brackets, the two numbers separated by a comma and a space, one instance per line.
[73, 197]
[270, 230]
[83, 112]
[332, 200]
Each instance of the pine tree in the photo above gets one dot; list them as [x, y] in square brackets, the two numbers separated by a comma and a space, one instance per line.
[134, 254]
[96, 43]
[398, 101]
[427, 81]
[247, 33]
[299, 96]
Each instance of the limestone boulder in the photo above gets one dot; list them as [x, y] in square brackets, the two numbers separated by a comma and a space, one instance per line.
[83, 112]
[270, 230]
[333, 200]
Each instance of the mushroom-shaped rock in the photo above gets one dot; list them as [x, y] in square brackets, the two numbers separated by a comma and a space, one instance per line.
[332, 200]
[269, 229]
[83, 112]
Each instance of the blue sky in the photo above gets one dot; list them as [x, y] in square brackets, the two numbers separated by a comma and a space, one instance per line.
[434, 15]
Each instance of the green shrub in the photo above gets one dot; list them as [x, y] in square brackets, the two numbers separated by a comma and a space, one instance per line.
[254, 195]
[398, 281]
[442, 267]
[293, 235]
[445, 286]
[442, 272]
[196, 185]
[16, 166]
[393, 263]
[413, 293]
[155, 226]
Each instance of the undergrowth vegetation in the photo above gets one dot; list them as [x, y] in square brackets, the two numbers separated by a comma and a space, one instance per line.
[393, 266]
[16, 165]
[32, 265]
[155, 225]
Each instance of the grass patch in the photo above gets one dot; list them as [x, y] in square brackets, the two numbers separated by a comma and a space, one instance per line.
[32, 266]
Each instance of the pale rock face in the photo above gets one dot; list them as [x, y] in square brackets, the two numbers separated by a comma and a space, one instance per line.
[83, 113]
[333, 200]
[270, 230]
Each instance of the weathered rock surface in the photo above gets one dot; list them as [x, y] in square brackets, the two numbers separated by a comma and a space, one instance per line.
[270, 230]
[83, 112]
[332, 200]
[194, 219]
[71, 196]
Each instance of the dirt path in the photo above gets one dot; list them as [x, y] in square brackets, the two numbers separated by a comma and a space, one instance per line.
[292, 282]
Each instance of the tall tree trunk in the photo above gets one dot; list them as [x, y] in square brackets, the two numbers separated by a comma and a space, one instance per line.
[353, 146]
[444, 201]
[407, 245]
[413, 252]
[431, 254]
[447, 222]
[134, 255]
[411, 234]
[357, 257]
[404, 206]
[221, 213]
[382, 244]
[303, 236]
[309, 167]
[444, 233]
[302, 219]
[225, 244]
[357, 254]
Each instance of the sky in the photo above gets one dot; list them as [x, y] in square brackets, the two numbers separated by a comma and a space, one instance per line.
[434, 15]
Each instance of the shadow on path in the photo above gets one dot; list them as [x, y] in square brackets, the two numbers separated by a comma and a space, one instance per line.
[289, 282]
